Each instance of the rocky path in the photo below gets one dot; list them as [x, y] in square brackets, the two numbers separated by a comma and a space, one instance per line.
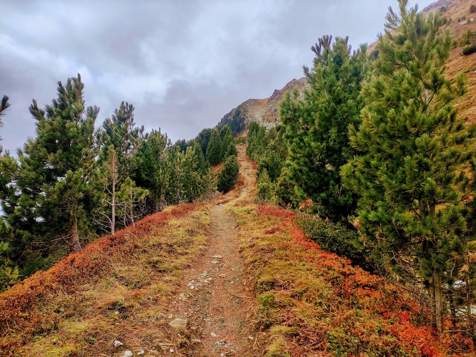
[214, 305]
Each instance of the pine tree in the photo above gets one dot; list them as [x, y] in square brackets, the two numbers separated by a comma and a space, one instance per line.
[228, 146]
[151, 167]
[316, 127]
[214, 149]
[131, 202]
[9, 271]
[203, 138]
[121, 132]
[4, 104]
[256, 141]
[194, 174]
[265, 187]
[53, 174]
[411, 148]
[106, 179]
[228, 175]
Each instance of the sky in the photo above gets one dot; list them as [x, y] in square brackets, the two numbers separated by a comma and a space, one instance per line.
[182, 64]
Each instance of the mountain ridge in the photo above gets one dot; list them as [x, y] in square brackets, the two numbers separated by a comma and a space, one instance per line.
[460, 20]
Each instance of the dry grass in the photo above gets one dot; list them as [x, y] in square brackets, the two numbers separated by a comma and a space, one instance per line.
[460, 21]
[312, 302]
[117, 287]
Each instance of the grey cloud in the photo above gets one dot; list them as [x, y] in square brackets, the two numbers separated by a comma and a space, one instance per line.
[183, 64]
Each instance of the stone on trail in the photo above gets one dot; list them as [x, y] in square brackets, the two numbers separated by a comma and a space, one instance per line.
[117, 344]
[179, 323]
[127, 354]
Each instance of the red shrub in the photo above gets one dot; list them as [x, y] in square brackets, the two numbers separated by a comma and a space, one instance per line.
[88, 264]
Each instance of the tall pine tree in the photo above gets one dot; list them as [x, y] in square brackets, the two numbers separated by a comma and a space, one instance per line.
[53, 174]
[411, 148]
[121, 132]
[151, 167]
[214, 149]
[316, 127]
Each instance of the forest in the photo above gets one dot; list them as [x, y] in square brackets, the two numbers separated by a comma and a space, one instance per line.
[373, 161]
[74, 182]
[380, 163]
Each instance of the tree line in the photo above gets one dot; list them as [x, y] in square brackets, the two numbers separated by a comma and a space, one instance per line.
[72, 182]
[377, 151]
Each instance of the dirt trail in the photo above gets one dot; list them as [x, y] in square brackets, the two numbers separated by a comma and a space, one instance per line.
[214, 302]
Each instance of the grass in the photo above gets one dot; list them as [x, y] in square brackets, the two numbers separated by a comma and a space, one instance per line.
[312, 302]
[118, 287]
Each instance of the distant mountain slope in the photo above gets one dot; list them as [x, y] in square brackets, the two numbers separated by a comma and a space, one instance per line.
[461, 20]
[263, 111]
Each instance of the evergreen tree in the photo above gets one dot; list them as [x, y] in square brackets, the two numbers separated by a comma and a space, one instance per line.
[228, 146]
[273, 154]
[256, 141]
[203, 138]
[181, 145]
[121, 132]
[51, 180]
[194, 174]
[4, 104]
[265, 187]
[106, 179]
[9, 272]
[228, 175]
[411, 148]
[151, 167]
[214, 149]
[131, 202]
[315, 127]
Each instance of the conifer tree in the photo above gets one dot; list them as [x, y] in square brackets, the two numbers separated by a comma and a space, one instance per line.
[203, 138]
[55, 165]
[411, 147]
[315, 127]
[131, 202]
[9, 272]
[256, 141]
[4, 104]
[214, 149]
[106, 179]
[228, 146]
[151, 167]
[121, 132]
[194, 178]
[228, 175]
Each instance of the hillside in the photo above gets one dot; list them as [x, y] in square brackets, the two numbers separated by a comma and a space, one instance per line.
[350, 235]
[460, 21]
[227, 277]
[263, 111]
[266, 111]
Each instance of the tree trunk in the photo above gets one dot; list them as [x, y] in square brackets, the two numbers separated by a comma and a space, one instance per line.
[74, 242]
[451, 300]
[469, 295]
[113, 198]
[132, 209]
[438, 301]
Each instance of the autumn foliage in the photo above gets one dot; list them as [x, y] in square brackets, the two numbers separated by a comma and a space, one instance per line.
[320, 302]
[86, 266]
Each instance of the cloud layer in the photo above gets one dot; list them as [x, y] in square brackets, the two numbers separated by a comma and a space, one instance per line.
[183, 64]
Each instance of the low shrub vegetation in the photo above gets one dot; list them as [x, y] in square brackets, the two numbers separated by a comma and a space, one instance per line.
[337, 238]
[313, 302]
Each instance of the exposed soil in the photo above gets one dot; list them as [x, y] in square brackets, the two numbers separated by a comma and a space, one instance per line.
[214, 299]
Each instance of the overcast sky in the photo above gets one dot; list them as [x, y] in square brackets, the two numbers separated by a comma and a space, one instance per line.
[183, 64]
